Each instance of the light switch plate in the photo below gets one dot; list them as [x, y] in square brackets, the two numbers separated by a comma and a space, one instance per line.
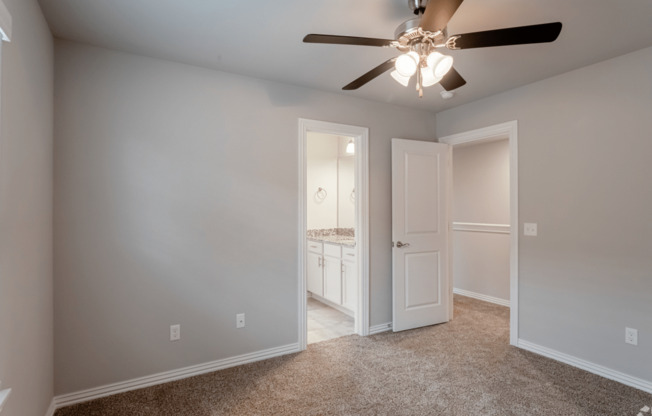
[240, 320]
[530, 229]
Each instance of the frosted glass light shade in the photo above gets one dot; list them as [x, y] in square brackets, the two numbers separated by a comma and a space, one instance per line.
[441, 64]
[428, 77]
[406, 64]
[404, 81]
[350, 147]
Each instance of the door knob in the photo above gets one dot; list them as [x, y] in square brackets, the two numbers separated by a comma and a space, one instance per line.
[399, 244]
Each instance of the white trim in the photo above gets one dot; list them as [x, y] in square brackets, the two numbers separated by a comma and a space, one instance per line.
[165, 377]
[480, 296]
[605, 372]
[377, 329]
[4, 395]
[5, 23]
[361, 139]
[508, 130]
[484, 135]
[51, 409]
[333, 305]
[481, 228]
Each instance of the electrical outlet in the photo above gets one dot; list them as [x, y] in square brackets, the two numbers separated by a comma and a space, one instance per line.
[175, 332]
[240, 320]
[530, 229]
[631, 336]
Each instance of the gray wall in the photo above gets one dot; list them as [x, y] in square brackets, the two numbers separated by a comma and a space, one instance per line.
[481, 196]
[176, 202]
[26, 363]
[584, 176]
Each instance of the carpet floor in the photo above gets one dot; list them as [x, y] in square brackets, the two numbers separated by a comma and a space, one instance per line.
[465, 367]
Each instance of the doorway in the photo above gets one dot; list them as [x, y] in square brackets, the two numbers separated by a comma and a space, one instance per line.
[333, 226]
[507, 132]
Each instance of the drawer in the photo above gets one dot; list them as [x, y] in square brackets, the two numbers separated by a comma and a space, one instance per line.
[332, 250]
[348, 253]
[315, 246]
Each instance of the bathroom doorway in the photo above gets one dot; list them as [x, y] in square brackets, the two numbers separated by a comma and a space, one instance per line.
[333, 237]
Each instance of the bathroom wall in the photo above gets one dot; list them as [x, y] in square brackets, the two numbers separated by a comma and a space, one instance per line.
[345, 185]
[321, 151]
[329, 168]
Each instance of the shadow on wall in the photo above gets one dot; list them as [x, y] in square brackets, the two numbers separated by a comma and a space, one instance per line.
[281, 95]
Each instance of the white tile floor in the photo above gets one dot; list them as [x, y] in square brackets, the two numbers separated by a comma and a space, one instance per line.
[325, 322]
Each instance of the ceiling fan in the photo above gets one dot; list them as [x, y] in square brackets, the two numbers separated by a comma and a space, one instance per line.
[420, 37]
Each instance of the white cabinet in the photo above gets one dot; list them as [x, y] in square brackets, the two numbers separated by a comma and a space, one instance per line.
[331, 274]
[349, 278]
[333, 280]
[314, 270]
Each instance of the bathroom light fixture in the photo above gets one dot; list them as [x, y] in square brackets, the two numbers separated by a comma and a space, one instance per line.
[350, 147]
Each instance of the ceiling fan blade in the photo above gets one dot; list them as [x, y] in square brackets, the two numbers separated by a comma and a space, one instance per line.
[379, 70]
[452, 80]
[346, 40]
[522, 35]
[438, 13]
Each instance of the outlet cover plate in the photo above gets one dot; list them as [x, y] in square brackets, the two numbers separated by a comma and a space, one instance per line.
[175, 332]
[631, 336]
[530, 229]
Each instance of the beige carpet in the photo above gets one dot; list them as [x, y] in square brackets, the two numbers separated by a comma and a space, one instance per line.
[465, 367]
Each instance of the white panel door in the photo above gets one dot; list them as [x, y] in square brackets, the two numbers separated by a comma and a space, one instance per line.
[420, 210]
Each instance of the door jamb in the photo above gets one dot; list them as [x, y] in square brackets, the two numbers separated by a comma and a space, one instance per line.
[507, 130]
[361, 140]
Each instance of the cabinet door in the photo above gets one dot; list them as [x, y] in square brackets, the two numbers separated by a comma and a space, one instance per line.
[333, 279]
[315, 277]
[350, 285]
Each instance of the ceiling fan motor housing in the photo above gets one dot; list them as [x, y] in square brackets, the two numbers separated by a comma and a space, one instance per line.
[417, 6]
[408, 33]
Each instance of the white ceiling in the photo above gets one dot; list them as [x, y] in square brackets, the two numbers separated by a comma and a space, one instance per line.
[263, 39]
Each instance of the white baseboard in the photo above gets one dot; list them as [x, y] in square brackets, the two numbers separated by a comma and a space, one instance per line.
[51, 409]
[377, 329]
[605, 372]
[333, 305]
[480, 296]
[165, 377]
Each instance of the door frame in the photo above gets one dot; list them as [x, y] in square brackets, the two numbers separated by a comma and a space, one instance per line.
[361, 140]
[508, 130]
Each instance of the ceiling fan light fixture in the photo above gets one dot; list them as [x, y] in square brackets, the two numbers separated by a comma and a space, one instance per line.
[406, 64]
[428, 77]
[441, 64]
[404, 81]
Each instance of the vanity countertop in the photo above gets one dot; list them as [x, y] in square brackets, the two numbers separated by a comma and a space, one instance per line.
[341, 236]
[344, 240]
